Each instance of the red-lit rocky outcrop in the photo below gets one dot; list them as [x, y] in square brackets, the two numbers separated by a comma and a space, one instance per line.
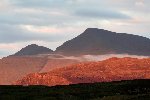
[113, 69]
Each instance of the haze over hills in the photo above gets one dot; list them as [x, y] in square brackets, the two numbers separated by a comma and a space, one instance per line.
[99, 41]
[32, 49]
[113, 69]
[92, 45]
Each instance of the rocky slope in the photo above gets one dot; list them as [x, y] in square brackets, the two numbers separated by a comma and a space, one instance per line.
[14, 68]
[99, 41]
[108, 70]
[56, 63]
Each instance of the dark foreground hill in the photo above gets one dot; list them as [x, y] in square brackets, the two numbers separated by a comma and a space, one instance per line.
[123, 90]
[32, 49]
[99, 41]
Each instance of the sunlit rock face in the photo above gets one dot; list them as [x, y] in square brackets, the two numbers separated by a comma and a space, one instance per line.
[14, 68]
[43, 79]
[56, 63]
[113, 69]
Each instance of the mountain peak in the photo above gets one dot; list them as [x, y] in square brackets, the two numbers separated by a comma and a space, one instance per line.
[93, 30]
[100, 41]
[88, 29]
[33, 45]
[32, 49]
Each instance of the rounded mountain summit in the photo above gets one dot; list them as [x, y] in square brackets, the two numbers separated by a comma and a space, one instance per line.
[32, 49]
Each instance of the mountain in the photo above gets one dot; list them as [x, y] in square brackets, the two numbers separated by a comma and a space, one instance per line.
[113, 69]
[32, 49]
[99, 41]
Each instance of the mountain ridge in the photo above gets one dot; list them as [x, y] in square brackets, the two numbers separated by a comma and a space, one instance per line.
[95, 41]
[100, 41]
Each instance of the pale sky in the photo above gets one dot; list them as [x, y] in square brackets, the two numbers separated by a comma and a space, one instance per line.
[52, 22]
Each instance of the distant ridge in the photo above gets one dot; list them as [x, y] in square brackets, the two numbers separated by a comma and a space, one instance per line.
[100, 41]
[32, 49]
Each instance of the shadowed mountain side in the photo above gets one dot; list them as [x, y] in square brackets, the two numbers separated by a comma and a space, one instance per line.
[32, 49]
[99, 41]
[113, 69]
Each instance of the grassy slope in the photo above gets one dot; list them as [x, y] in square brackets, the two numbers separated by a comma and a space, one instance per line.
[124, 90]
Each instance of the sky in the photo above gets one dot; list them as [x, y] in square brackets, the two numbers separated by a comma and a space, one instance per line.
[51, 22]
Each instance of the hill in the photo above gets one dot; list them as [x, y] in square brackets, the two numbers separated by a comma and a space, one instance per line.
[99, 41]
[32, 49]
[123, 90]
[113, 69]
[14, 68]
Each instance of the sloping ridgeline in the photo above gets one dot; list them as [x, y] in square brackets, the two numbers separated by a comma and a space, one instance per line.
[99, 41]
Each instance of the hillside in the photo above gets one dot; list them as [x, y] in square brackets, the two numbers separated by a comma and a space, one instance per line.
[14, 68]
[56, 63]
[113, 69]
[99, 41]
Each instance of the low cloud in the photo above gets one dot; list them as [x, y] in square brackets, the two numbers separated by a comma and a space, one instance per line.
[101, 13]
[40, 3]
[13, 34]
[95, 57]
[104, 57]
